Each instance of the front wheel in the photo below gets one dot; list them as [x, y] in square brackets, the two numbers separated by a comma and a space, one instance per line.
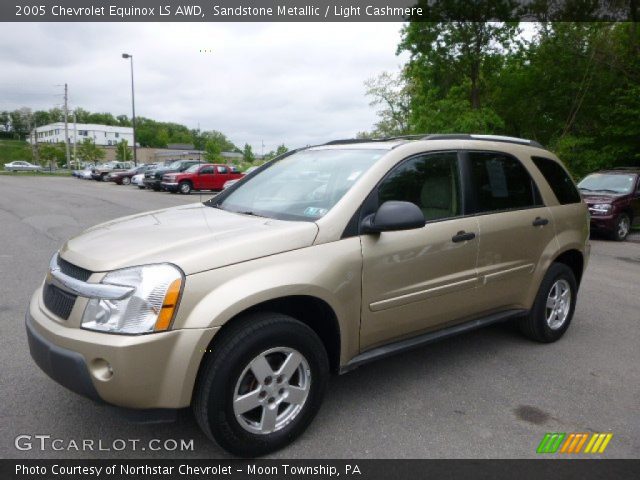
[185, 188]
[622, 227]
[553, 307]
[126, 181]
[261, 384]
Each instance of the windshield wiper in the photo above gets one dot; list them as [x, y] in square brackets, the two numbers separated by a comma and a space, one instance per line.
[587, 189]
[607, 190]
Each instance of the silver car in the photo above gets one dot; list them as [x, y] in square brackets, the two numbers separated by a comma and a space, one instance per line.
[22, 166]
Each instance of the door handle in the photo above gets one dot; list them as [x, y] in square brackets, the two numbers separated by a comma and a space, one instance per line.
[539, 221]
[463, 236]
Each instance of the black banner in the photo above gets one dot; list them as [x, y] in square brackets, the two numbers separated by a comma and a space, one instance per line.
[319, 469]
[315, 10]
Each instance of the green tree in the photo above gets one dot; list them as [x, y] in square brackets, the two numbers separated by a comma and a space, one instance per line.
[89, 152]
[247, 154]
[212, 151]
[52, 154]
[453, 60]
[123, 152]
[389, 92]
[282, 149]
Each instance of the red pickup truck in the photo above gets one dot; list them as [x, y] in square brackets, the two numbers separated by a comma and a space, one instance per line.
[204, 176]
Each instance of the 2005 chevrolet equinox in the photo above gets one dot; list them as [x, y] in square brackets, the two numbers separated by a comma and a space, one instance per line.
[319, 261]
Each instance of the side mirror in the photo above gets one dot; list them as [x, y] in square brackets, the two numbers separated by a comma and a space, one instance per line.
[392, 216]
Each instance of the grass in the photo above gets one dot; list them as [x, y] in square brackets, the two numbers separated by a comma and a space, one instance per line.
[11, 150]
[45, 173]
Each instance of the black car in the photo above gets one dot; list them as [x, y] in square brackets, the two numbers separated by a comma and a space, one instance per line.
[153, 178]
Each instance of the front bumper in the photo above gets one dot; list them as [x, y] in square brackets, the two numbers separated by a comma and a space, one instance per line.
[66, 367]
[170, 186]
[603, 222]
[151, 183]
[150, 371]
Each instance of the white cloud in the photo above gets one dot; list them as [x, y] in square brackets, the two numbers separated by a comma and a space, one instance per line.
[296, 83]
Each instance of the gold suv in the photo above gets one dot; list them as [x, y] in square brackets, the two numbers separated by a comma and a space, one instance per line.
[321, 260]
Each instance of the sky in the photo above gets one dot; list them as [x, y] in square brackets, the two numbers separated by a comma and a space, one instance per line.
[291, 83]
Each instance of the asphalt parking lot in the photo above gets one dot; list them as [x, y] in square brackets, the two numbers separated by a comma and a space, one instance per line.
[486, 394]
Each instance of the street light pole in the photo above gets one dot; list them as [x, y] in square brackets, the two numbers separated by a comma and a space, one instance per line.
[133, 108]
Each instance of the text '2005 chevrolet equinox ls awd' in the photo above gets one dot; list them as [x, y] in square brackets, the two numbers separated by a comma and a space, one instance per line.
[319, 261]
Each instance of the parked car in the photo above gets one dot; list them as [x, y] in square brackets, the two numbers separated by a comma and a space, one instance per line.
[138, 180]
[153, 178]
[242, 305]
[613, 197]
[101, 172]
[22, 166]
[205, 176]
[249, 170]
[84, 172]
[124, 178]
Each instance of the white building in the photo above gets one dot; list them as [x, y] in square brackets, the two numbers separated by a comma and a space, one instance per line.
[103, 135]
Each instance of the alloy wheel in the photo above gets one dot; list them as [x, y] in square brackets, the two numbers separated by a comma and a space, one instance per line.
[558, 304]
[272, 390]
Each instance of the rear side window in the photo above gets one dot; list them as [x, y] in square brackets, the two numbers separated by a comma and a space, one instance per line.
[558, 180]
[500, 182]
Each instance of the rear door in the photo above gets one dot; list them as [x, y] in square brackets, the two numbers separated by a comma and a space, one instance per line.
[222, 175]
[515, 227]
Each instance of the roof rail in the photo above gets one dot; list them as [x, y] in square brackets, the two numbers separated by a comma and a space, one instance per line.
[347, 141]
[490, 138]
[441, 136]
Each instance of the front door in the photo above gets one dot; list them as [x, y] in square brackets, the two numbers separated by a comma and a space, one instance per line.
[205, 178]
[420, 279]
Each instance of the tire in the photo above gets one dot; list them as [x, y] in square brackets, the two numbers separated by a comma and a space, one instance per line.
[622, 228]
[544, 323]
[126, 181]
[226, 373]
[141, 187]
[184, 188]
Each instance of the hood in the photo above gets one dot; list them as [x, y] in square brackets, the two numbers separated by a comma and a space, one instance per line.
[195, 237]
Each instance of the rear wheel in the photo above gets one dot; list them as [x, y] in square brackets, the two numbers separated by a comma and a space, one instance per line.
[622, 227]
[261, 385]
[126, 181]
[185, 188]
[554, 306]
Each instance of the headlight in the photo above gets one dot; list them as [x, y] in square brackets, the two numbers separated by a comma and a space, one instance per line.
[601, 208]
[150, 308]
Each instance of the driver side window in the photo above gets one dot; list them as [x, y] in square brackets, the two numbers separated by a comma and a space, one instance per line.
[430, 181]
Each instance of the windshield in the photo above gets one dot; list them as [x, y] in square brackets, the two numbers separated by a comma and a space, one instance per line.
[603, 182]
[192, 168]
[176, 164]
[302, 186]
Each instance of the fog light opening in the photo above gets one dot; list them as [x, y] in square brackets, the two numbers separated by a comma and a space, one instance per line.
[101, 369]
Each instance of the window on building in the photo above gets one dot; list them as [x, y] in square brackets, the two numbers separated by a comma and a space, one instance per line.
[117, 135]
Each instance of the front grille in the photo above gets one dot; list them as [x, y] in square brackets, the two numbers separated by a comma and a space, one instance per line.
[57, 301]
[74, 271]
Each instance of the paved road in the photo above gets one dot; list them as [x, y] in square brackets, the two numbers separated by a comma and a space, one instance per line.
[489, 393]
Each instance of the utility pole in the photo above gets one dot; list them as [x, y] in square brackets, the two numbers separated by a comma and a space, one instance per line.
[75, 140]
[133, 108]
[33, 135]
[66, 124]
